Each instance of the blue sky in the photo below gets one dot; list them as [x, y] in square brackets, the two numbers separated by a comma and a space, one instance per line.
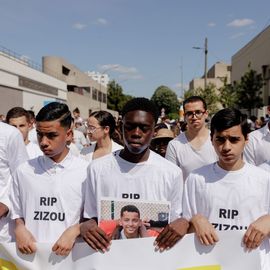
[148, 42]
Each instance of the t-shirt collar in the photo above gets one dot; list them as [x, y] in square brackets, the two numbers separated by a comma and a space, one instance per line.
[48, 164]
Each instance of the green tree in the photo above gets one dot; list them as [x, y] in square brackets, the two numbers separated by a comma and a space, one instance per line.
[165, 98]
[210, 95]
[250, 91]
[229, 94]
[116, 98]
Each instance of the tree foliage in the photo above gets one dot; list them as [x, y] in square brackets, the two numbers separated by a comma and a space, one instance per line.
[250, 91]
[229, 94]
[116, 98]
[165, 98]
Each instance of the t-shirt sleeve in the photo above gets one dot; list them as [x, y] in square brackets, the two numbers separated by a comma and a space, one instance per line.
[171, 153]
[15, 155]
[15, 197]
[90, 204]
[249, 154]
[176, 196]
[16, 151]
[189, 206]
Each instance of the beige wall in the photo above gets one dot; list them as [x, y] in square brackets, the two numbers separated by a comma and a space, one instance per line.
[84, 100]
[9, 98]
[215, 75]
[257, 53]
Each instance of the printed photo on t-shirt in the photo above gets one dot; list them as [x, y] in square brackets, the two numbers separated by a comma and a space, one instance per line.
[127, 219]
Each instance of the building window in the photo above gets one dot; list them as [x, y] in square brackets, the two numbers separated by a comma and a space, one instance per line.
[94, 94]
[99, 96]
[104, 98]
[65, 70]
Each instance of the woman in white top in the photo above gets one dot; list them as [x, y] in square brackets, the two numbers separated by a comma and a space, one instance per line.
[100, 127]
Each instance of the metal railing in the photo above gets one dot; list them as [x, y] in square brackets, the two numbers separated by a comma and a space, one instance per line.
[22, 59]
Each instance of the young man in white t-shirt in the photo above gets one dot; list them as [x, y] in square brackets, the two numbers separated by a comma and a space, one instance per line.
[192, 149]
[19, 118]
[134, 173]
[229, 194]
[257, 150]
[47, 192]
[12, 154]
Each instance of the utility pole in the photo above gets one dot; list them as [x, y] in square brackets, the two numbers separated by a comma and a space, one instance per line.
[182, 86]
[205, 48]
[205, 62]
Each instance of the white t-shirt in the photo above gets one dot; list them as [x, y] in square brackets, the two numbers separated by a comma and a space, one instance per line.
[153, 180]
[33, 150]
[74, 149]
[230, 200]
[265, 166]
[79, 139]
[48, 195]
[32, 136]
[12, 154]
[258, 147]
[87, 152]
[181, 153]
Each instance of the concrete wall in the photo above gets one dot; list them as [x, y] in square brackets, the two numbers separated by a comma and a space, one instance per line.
[24, 86]
[257, 54]
[9, 98]
[84, 100]
[215, 75]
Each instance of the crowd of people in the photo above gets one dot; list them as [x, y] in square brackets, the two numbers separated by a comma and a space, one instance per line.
[55, 169]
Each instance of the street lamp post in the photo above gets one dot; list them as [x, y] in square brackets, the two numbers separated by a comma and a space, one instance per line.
[205, 48]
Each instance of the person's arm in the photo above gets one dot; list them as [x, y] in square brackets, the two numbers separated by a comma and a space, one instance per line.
[257, 232]
[94, 236]
[3, 210]
[171, 234]
[25, 241]
[203, 229]
[171, 153]
[66, 241]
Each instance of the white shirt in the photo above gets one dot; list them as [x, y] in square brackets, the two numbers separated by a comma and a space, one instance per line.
[257, 150]
[230, 200]
[33, 150]
[74, 149]
[48, 195]
[12, 154]
[181, 153]
[87, 152]
[79, 139]
[153, 180]
[32, 136]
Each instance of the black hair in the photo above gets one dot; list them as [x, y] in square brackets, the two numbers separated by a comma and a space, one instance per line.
[195, 99]
[130, 208]
[55, 111]
[141, 104]
[31, 114]
[228, 118]
[105, 119]
[17, 112]
[76, 110]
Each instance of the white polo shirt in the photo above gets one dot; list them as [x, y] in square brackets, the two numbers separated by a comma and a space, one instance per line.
[181, 153]
[153, 180]
[12, 154]
[33, 150]
[257, 150]
[48, 195]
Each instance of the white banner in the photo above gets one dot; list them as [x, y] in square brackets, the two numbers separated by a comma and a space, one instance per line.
[139, 254]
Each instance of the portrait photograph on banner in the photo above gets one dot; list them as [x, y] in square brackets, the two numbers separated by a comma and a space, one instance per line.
[126, 219]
